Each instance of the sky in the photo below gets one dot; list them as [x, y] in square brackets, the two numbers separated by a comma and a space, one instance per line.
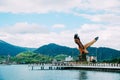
[34, 23]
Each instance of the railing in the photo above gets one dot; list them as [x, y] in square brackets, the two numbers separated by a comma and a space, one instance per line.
[99, 64]
[69, 66]
[81, 64]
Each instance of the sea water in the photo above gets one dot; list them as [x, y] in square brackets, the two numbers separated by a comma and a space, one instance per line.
[23, 72]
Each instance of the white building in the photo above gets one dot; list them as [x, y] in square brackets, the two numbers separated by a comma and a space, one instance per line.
[91, 58]
[69, 58]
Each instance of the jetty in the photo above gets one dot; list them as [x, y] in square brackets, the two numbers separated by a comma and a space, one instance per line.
[89, 66]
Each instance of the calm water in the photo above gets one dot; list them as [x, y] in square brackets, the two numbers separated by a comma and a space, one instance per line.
[22, 72]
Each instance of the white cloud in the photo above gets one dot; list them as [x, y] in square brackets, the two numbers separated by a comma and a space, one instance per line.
[96, 5]
[35, 35]
[37, 6]
[38, 39]
[109, 18]
[25, 28]
[2, 35]
[112, 19]
[45, 6]
[109, 37]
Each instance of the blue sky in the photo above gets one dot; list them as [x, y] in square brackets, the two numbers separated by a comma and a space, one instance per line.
[35, 23]
[47, 19]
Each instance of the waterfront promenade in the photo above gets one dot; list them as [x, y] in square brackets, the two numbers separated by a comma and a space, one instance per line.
[89, 66]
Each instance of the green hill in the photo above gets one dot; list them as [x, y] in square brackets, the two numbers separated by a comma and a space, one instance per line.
[6, 48]
[52, 49]
[102, 53]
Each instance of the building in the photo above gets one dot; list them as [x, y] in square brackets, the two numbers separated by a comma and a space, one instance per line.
[69, 58]
[91, 58]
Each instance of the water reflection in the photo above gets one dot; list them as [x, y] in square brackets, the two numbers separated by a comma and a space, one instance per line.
[83, 75]
[1, 78]
[97, 75]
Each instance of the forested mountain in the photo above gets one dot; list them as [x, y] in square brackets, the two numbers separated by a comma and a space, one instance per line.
[104, 53]
[6, 48]
[52, 49]
[101, 52]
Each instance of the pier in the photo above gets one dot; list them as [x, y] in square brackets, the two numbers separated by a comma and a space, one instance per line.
[89, 66]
